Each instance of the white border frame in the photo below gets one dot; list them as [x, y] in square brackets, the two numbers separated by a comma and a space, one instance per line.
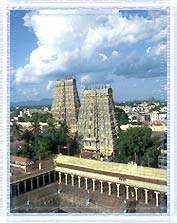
[5, 6]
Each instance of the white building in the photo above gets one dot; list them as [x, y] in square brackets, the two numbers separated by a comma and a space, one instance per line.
[154, 116]
[163, 117]
[20, 114]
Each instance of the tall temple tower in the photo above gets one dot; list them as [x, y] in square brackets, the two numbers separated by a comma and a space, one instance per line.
[96, 123]
[66, 103]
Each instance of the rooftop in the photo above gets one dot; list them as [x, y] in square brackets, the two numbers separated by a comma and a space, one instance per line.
[20, 160]
[127, 169]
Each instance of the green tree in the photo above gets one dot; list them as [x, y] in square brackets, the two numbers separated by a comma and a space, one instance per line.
[51, 128]
[150, 157]
[62, 136]
[137, 145]
[74, 147]
[27, 151]
[121, 116]
[43, 148]
[41, 117]
[27, 136]
[64, 127]
[37, 134]
[36, 130]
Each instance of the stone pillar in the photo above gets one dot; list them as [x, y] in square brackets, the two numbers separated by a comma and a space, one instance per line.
[66, 178]
[31, 181]
[86, 183]
[136, 193]
[24, 182]
[118, 190]
[101, 186]
[72, 180]
[146, 196]
[49, 177]
[43, 176]
[37, 181]
[59, 181]
[79, 181]
[18, 188]
[93, 183]
[127, 192]
[157, 198]
[109, 188]
[40, 166]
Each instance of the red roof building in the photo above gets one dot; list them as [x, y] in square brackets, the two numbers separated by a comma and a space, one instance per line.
[19, 160]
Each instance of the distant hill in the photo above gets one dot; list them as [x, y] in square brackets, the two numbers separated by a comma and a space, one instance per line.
[44, 101]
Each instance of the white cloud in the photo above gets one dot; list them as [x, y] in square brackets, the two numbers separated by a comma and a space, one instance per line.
[115, 53]
[72, 43]
[95, 79]
[156, 50]
[50, 85]
[85, 78]
[148, 49]
[103, 56]
[161, 36]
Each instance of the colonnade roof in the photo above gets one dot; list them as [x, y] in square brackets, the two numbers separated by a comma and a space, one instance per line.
[15, 179]
[119, 168]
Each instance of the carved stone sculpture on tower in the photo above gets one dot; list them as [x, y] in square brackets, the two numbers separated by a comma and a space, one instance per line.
[96, 123]
[65, 106]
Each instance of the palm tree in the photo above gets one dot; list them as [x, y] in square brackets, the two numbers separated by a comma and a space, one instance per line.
[36, 132]
[27, 136]
[51, 128]
[36, 128]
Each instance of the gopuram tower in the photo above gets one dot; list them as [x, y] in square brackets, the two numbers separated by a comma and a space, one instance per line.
[96, 123]
[66, 103]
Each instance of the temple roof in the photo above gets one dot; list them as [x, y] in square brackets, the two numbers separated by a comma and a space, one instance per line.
[119, 168]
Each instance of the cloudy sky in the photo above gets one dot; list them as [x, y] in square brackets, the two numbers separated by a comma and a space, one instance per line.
[126, 49]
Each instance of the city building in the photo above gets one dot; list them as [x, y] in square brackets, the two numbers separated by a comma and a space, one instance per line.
[21, 162]
[96, 123]
[154, 116]
[163, 117]
[65, 106]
